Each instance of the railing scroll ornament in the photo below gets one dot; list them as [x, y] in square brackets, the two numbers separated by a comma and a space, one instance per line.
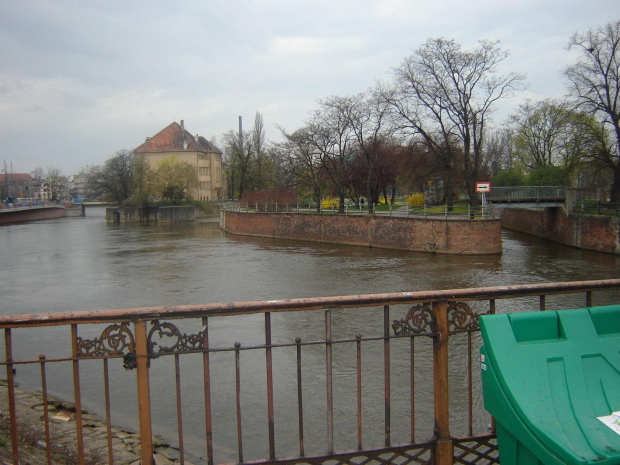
[461, 317]
[177, 341]
[419, 320]
[113, 341]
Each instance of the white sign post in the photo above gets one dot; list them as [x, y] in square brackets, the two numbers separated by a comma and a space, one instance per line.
[483, 187]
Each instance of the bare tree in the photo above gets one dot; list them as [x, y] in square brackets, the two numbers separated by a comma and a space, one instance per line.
[249, 163]
[115, 178]
[56, 182]
[240, 154]
[595, 85]
[445, 94]
[550, 133]
[498, 151]
[368, 118]
[303, 162]
[333, 138]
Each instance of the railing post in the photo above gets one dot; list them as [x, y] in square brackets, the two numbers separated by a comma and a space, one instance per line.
[11, 392]
[206, 367]
[386, 377]
[329, 386]
[443, 445]
[270, 404]
[144, 392]
[77, 396]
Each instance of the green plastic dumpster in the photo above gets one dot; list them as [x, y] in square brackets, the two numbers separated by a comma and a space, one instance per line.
[551, 380]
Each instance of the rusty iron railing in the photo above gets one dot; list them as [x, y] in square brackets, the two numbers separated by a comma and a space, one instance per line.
[414, 354]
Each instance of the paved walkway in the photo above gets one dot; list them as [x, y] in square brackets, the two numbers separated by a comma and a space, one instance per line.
[32, 450]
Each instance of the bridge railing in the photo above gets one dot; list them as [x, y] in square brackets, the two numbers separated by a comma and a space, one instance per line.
[376, 379]
[526, 193]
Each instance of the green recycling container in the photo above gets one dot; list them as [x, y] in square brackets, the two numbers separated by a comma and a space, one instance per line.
[551, 380]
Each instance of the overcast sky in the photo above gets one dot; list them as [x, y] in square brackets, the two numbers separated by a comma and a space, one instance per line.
[80, 80]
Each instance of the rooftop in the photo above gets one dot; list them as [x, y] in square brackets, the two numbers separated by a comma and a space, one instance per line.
[175, 137]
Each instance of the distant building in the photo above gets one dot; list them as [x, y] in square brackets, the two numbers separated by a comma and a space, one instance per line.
[17, 185]
[77, 186]
[195, 150]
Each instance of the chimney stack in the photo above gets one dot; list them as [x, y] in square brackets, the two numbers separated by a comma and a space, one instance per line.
[182, 125]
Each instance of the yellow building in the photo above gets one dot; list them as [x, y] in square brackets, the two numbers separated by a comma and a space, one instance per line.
[195, 150]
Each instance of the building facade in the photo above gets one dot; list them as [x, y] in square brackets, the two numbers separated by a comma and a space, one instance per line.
[17, 185]
[175, 140]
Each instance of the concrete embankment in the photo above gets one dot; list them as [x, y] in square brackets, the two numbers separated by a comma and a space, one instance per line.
[150, 214]
[32, 445]
[19, 215]
[435, 235]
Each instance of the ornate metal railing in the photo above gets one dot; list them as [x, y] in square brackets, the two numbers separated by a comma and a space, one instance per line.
[386, 378]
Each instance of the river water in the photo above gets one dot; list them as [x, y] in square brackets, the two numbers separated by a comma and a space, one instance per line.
[74, 264]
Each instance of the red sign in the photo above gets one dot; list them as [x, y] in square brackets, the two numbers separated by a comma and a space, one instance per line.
[483, 187]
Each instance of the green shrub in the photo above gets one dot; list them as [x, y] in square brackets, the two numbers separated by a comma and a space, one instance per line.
[506, 178]
[548, 176]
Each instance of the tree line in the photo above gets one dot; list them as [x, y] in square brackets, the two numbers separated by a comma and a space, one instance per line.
[127, 176]
[431, 120]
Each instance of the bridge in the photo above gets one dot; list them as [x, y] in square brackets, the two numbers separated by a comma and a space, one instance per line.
[527, 196]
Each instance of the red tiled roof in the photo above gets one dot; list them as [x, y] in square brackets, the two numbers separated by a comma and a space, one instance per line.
[175, 138]
[15, 177]
[208, 145]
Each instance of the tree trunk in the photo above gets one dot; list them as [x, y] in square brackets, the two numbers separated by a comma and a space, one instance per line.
[614, 195]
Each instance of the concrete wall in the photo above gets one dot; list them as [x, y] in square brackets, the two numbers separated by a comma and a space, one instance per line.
[589, 232]
[130, 215]
[174, 214]
[150, 214]
[471, 237]
[17, 215]
[75, 210]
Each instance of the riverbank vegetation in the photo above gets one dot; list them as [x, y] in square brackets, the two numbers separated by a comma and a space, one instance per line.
[427, 131]
[429, 128]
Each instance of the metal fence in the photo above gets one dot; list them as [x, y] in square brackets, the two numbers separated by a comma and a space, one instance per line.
[397, 211]
[598, 208]
[374, 379]
[526, 193]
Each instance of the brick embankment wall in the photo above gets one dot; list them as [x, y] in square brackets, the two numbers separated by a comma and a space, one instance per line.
[589, 232]
[452, 236]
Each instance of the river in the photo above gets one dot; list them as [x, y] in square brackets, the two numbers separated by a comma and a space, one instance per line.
[74, 264]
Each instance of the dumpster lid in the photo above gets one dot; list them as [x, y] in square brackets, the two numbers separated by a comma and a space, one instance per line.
[560, 371]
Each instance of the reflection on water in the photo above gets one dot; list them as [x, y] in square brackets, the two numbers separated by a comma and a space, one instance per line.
[76, 264]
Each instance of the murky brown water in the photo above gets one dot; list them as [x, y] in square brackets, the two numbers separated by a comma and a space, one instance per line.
[85, 264]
